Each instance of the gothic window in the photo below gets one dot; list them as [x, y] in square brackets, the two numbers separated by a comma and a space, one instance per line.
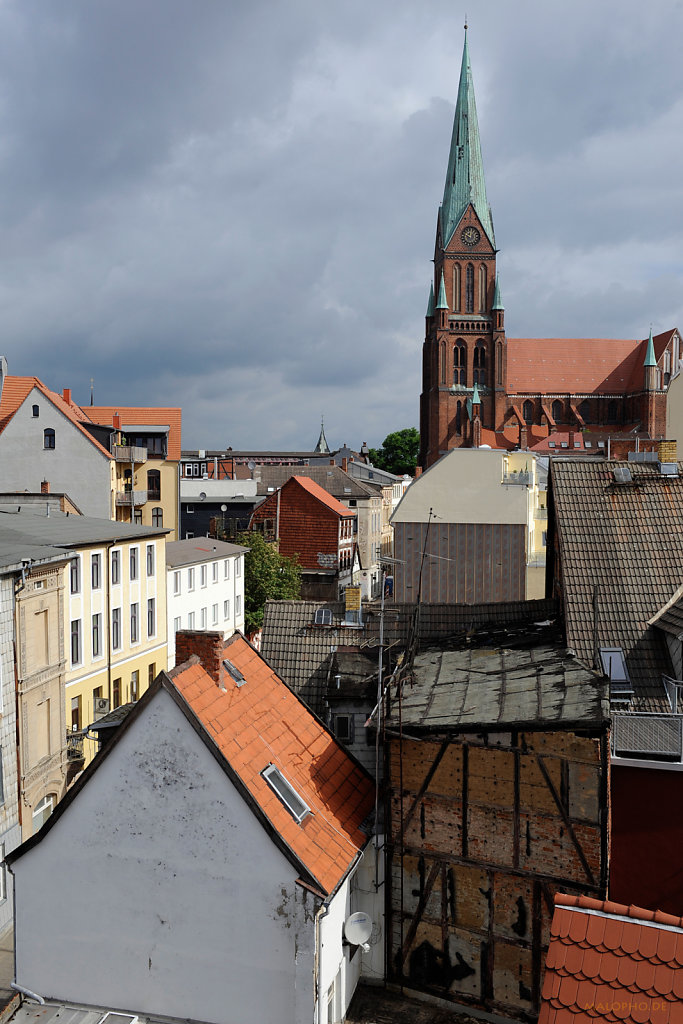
[482, 288]
[460, 364]
[442, 367]
[458, 419]
[499, 364]
[612, 412]
[557, 411]
[480, 364]
[528, 411]
[456, 288]
[469, 289]
[585, 411]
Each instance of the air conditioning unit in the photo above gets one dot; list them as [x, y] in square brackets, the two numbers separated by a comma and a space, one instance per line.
[101, 706]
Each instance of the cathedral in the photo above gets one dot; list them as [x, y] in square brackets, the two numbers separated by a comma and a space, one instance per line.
[481, 387]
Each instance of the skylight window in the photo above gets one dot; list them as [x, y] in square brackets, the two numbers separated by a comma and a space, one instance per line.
[614, 667]
[323, 617]
[286, 793]
[622, 475]
[233, 671]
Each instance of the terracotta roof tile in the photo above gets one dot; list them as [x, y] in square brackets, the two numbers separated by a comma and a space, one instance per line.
[633, 976]
[149, 416]
[262, 722]
[15, 391]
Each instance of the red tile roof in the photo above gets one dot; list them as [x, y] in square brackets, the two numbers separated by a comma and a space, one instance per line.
[15, 390]
[149, 416]
[578, 365]
[262, 722]
[322, 495]
[609, 962]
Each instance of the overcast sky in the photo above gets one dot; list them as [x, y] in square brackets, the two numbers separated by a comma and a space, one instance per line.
[230, 205]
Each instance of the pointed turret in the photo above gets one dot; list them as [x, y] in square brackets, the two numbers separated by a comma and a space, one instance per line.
[476, 400]
[497, 301]
[465, 177]
[430, 304]
[442, 304]
[650, 354]
[322, 447]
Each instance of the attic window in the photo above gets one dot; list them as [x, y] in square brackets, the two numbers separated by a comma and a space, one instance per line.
[36, 411]
[577, 444]
[323, 617]
[614, 667]
[565, 444]
[622, 475]
[286, 793]
[347, 490]
[587, 444]
[601, 444]
[234, 672]
[551, 444]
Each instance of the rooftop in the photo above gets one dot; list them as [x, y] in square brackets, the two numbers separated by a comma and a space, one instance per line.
[161, 418]
[332, 479]
[199, 549]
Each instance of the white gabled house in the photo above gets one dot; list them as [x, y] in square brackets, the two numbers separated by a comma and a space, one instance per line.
[207, 861]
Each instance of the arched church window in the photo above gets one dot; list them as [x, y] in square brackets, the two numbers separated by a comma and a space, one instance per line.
[585, 410]
[469, 289]
[482, 288]
[499, 364]
[480, 364]
[456, 288]
[460, 364]
[557, 411]
[528, 411]
[442, 363]
[458, 419]
[612, 412]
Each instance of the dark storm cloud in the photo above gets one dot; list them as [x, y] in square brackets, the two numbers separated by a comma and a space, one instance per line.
[231, 206]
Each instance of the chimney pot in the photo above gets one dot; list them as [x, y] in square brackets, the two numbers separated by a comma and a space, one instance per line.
[66, 394]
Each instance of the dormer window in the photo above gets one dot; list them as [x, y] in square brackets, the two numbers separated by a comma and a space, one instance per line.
[286, 793]
[323, 617]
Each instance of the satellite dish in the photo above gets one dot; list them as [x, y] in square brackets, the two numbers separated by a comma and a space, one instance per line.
[224, 508]
[358, 928]
[202, 495]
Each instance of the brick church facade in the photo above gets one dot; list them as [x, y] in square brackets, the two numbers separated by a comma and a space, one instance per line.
[481, 387]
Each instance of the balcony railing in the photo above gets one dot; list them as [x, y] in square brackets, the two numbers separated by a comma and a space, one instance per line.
[522, 477]
[130, 499]
[74, 746]
[637, 734]
[129, 453]
[541, 514]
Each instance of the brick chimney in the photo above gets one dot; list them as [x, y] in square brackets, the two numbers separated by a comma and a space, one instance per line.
[66, 395]
[667, 451]
[208, 647]
[345, 464]
[418, 471]
[45, 487]
[116, 421]
[523, 435]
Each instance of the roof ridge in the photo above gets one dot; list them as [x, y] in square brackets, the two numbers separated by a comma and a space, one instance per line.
[619, 910]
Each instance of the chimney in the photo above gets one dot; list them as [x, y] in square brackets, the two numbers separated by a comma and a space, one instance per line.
[345, 464]
[418, 471]
[667, 451]
[66, 395]
[332, 462]
[116, 422]
[207, 646]
[523, 436]
[45, 487]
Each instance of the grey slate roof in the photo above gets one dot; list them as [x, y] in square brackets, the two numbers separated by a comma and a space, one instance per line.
[331, 478]
[301, 652]
[473, 688]
[199, 549]
[626, 540]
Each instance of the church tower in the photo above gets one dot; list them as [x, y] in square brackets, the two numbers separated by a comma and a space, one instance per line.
[465, 346]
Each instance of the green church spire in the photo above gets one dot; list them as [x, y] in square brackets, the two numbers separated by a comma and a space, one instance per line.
[497, 302]
[465, 177]
[430, 304]
[476, 400]
[442, 304]
[650, 354]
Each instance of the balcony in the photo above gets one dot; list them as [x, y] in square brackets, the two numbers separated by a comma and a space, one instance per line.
[131, 499]
[74, 746]
[129, 453]
[541, 515]
[641, 735]
[521, 476]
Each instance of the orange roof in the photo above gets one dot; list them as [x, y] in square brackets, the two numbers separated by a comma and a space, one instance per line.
[322, 495]
[15, 391]
[262, 722]
[149, 416]
[613, 963]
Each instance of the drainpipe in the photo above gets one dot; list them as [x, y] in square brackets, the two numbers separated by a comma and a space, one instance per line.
[27, 992]
[277, 519]
[323, 912]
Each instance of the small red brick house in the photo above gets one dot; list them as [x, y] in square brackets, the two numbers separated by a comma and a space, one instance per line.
[304, 520]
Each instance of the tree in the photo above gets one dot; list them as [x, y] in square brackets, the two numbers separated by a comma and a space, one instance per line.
[399, 452]
[268, 576]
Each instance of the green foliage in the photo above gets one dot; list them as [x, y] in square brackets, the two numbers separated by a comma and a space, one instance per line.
[268, 576]
[399, 452]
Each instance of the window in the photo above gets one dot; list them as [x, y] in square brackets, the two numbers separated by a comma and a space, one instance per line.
[176, 582]
[48, 438]
[585, 411]
[557, 411]
[116, 628]
[214, 614]
[612, 412]
[133, 563]
[238, 605]
[190, 620]
[226, 609]
[202, 618]
[75, 641]
[76, 714]
[154, 485]
[469, 289]
[226, 569]
[460, 364]
[458, 419]
[75, 576]
[528, 411]
[442, 363]
[134, 685]
[238, 567]
[42, 812]
[190, 579]
[150, 559]
[151, 672]
[342, 727]
[35, 411]
[137, 517]
[97, 635]
[214, 572]
[323, 617]
[480, 364]
[116, 693]
[96, 571]
[134, 625]
[203, 575]
[116, 567]
[285, 792]
[151, 617]
[482, 288]
[176, 625]
[456, 288]
[157, 517]
[499, 363]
